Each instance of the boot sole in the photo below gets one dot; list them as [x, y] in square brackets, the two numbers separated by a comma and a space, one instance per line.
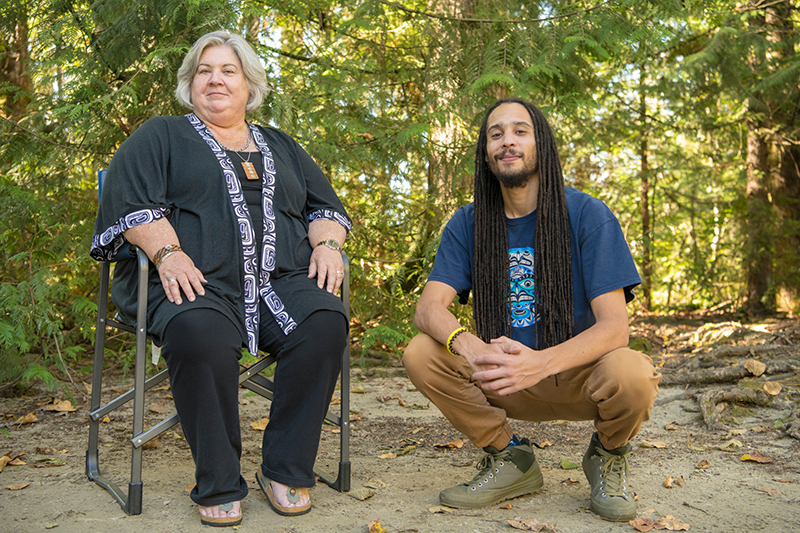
[529, 483]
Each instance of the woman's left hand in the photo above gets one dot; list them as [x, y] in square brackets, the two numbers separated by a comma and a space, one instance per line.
[327, 266]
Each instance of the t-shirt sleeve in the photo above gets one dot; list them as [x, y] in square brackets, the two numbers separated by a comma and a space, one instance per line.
[606, 260]
[453, 264]
[134, 189]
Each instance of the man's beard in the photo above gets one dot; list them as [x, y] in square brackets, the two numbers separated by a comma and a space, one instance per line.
[513, 179]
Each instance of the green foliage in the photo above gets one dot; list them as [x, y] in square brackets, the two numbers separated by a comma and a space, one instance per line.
[387, 97]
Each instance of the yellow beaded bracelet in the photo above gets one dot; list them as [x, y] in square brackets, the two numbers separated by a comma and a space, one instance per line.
[452, 339]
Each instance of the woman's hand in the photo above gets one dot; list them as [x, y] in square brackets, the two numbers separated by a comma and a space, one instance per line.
[178, 272]
[327, 266]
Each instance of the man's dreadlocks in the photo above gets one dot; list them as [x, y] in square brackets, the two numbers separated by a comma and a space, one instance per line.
[552, 255]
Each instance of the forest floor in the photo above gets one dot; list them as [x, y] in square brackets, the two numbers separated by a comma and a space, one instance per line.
[720, 453]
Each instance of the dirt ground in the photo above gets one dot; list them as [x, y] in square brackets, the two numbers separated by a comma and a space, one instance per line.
[713, 489]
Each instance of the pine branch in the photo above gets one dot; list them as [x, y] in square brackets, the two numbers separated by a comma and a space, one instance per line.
[492, 21]
[45, 139]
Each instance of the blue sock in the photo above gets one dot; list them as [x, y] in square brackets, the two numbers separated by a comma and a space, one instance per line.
[514, 441]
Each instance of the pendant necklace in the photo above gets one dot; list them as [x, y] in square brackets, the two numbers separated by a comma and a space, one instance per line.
[249, 169]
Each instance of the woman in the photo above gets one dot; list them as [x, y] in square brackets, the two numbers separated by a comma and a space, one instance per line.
[244, 232]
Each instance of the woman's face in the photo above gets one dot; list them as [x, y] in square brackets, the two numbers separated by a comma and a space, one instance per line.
[219, 87]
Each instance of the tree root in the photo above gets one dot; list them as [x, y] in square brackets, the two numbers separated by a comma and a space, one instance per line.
[725, 374]
[710, 403]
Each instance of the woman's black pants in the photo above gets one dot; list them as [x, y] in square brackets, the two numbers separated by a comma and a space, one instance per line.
[202, 348]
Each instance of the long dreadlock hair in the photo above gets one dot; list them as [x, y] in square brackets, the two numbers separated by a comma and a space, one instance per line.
[552, 255]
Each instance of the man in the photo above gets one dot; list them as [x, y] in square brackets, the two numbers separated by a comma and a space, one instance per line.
[551, 274]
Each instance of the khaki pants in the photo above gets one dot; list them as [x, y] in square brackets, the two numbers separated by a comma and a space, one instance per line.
[617, 392]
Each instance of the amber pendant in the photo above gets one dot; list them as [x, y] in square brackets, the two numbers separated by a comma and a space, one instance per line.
[249, 170]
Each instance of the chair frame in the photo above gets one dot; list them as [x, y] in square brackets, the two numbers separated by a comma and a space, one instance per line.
[249, 377]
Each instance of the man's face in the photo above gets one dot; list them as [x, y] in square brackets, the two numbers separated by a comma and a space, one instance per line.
[511, 146]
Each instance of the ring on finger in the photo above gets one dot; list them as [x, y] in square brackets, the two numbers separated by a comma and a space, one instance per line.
[170, 280]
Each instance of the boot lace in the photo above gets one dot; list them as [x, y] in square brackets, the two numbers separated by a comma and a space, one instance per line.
[613, 474]
[489, 465]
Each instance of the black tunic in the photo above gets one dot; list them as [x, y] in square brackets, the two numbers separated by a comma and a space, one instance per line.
[166, 168]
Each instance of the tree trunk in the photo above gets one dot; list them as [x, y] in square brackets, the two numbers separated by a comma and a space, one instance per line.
[758, 256]
[14, 69]
[644, 196]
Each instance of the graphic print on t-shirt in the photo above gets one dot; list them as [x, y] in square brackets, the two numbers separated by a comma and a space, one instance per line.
[522, 300]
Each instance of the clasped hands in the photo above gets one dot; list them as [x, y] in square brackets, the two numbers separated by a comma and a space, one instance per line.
[508, 366]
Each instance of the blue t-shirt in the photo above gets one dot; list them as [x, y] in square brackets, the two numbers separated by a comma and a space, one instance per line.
[601, 261]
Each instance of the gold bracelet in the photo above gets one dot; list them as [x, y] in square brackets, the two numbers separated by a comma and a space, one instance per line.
[451, 339]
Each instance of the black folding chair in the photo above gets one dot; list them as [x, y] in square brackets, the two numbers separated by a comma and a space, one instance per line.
[249, 377]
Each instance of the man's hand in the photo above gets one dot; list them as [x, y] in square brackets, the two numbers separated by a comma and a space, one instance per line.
[511, 369]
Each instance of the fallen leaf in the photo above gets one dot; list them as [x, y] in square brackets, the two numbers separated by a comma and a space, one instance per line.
[18, 487]
[568, 465]
[260, 425]
[545, 444]
[670, 427]
[386, 398]
[17, 461]
[507, 507]
[642, 524]
[389, 455]
[702, 465]
[61, 406]
[458, 443]
[670, 523]
[668, 483]
[375, 483]
[570, 481]
[358, 389]
[30, 418]
[375, 527]
[158, 408]
[771, 492]
[362, 494]
[440, 509]
[772, 388]
[336, 400]
[679, 481]
[756, 457]
[106, 419]
[189, 487]
[45, 451]
[408, 449]
[731, 445]
[4, 460]
[648, 444]
[532, 525]
[51, 526]
[42, 463]
[755, 367]
[151, 444]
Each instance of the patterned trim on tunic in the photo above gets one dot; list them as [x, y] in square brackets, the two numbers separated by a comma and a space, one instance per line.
[330, 214]
[106, 245]
[256, 281]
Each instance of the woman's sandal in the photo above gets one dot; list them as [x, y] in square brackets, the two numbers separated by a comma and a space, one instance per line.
[291, 494]
[223, 521]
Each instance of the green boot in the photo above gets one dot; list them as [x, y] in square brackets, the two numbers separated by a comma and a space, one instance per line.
[607, 472]
[502, 475]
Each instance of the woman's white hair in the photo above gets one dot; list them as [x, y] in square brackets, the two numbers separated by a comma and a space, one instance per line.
[251, 67]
